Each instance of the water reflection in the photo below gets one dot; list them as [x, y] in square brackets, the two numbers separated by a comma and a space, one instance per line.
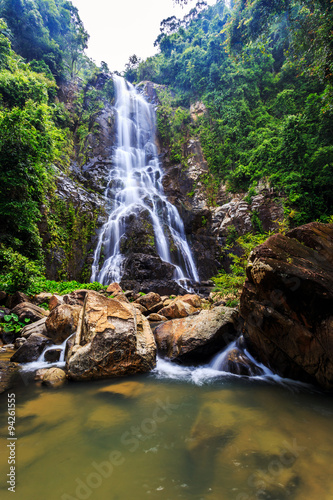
[151, 438]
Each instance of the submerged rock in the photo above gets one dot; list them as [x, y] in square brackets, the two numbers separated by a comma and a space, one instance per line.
[196, 338]
[115, 340]
[287, 303]
[54, 377]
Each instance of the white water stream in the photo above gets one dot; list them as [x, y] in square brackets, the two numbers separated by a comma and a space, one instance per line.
[134, 185]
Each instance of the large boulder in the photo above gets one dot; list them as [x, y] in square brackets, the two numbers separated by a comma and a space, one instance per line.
[115, 340]
[62, 322]
[196, 338]
[287, 303]
[37, 327]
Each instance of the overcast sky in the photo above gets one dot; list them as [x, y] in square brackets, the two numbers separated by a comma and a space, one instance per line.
[121, 28]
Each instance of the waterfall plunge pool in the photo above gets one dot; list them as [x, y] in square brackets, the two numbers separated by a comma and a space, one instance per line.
[171, 434]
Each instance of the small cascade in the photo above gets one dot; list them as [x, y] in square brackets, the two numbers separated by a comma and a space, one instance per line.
[135, 187]
[219, 369]
[45, 359]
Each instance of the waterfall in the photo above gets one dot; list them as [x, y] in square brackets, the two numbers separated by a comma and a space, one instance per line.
[135, 184]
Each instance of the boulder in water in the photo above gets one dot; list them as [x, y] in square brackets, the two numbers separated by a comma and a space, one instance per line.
[31, 349]
[115, 340]
[195, 339]
[7, 371]
[237, 362]
[287, 303]
[54, 377]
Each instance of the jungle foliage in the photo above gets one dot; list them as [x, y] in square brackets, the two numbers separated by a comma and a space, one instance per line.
[42, 46]
[264, 72]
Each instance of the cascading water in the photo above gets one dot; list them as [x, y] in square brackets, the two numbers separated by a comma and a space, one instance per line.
[135, 184]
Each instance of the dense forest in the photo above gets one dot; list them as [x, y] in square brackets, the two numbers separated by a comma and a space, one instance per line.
[264, 72]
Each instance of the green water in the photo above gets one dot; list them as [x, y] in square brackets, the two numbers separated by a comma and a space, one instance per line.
[166, 439]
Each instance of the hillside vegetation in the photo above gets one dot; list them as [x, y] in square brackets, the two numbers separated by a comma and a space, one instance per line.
[264, 72]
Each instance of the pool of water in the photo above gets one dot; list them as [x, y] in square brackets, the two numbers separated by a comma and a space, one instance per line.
[177, 433]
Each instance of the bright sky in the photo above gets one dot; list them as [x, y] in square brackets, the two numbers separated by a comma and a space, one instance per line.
[121, 28]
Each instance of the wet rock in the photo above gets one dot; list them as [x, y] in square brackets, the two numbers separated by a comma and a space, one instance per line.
[195, 339]
[287, 303]
[124, 389]
[26, 310]
[238, 363]
[31, 349]
[7, 372]
[116, 340]
[37, 327]
[148, 273]
[62, 322]
[54, 377]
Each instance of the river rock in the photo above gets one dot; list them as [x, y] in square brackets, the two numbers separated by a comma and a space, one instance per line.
[156, 317]
[75, 298]
[150, 301]
[195, 339]
[54, 377]
[238, 363]
[62, 322]
[26, 310]
[37, 327]
[181, 307]
[116, 340]
[31, 349]
[287, 303]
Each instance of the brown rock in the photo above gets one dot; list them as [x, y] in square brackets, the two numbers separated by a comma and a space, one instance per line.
[142, 309]
[55, 301]
[62, 322]
[54, 377]
[196, 338]
[3, 297]
[178, 309]
[114, 288]
[116, 340]
[238, 363]
[26, 310]
[156, 317]
[37, 327]
[42, 298]
[287, 303]
[149, 301]
[75, 298]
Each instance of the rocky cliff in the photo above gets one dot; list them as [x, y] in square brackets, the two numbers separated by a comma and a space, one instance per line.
[287, 303]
